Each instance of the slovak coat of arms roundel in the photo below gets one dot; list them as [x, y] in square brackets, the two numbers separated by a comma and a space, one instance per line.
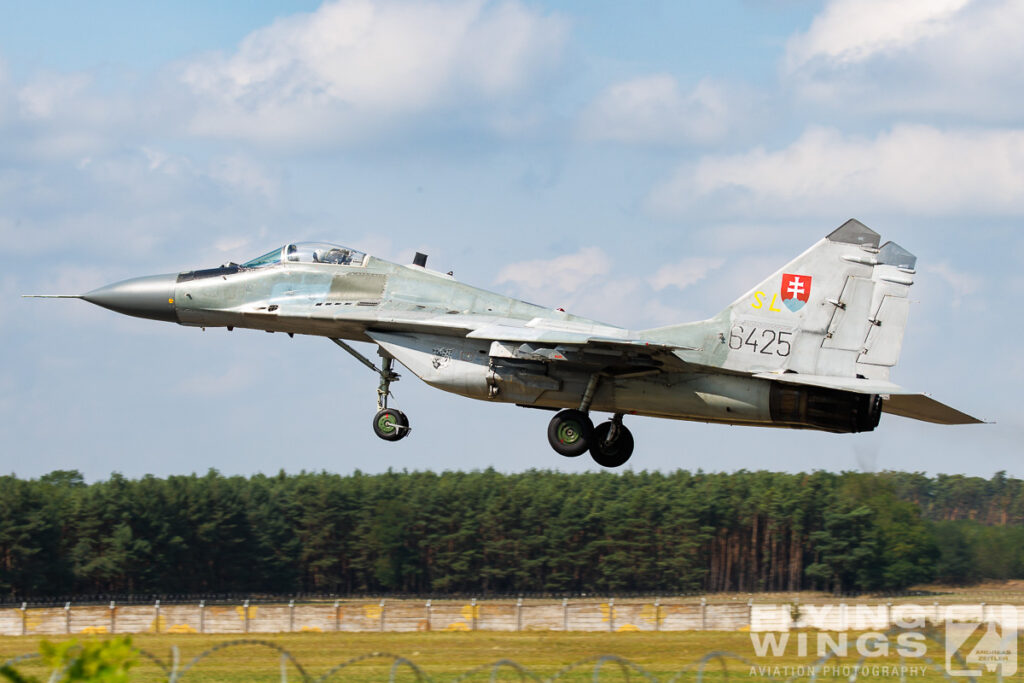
[796, 290]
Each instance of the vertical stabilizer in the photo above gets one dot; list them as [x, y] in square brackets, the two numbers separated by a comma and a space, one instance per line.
[838, 309]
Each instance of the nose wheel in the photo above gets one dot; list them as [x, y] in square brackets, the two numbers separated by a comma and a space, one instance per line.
[390, 424]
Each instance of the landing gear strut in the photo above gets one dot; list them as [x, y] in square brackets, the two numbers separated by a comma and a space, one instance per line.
[389, 424]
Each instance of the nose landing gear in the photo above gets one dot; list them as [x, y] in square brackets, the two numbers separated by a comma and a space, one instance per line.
[389, 424]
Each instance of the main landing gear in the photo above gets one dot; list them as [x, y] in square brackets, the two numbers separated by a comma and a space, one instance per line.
[389, 424]
[571, 433]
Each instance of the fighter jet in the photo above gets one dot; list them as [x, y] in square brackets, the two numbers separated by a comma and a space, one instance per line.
[809, 347]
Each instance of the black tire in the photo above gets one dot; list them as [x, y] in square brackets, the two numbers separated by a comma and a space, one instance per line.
[615, 453]
[569, 433]
[390, 424]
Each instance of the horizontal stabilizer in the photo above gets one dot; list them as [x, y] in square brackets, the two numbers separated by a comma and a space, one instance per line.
[927, 409]
[856, 385]
[898, 401]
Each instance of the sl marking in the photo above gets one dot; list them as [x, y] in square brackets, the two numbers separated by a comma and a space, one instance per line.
[758, 303]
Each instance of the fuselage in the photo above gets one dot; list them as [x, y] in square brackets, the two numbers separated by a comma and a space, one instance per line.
[426, 320]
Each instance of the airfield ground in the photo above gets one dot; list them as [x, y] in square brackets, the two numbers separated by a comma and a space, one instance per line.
[447, 656]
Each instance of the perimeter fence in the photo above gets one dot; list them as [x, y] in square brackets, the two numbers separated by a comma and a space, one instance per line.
[251, 616]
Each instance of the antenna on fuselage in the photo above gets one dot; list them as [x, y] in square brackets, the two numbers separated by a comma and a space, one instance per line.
[420, 260]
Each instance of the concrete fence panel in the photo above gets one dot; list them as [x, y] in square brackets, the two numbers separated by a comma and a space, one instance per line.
[483, 615]
[543, 617]
[680, 617]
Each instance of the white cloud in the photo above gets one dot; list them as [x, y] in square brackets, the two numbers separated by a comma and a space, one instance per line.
[347, 69]
[352, 65]
[560, 276]
[232, 245]
[585, 283]
[655, 313]
[64, 116]
[581, 283]
[684, 273]
[653, 110]
[918, 169]
[962, 283]
[151, 172]
[138, 204]
[245, 175]
[49, 94]
[850, 31]
[946, 57]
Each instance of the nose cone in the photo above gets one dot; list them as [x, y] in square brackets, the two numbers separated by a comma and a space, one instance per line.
[144, 297]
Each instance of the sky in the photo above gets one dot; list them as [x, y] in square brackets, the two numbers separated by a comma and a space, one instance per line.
[641, 164]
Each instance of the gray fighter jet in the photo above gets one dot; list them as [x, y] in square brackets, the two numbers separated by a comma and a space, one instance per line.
[810, 347]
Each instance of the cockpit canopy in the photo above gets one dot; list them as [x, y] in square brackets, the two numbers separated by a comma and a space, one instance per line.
[309, 252]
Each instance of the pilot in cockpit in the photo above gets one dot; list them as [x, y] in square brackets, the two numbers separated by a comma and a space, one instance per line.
[341, 257]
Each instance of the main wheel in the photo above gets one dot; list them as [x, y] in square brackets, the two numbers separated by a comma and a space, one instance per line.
[390, 424]
[611, 453]
[569, 433]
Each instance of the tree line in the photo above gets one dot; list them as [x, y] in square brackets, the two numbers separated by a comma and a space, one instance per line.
[485, 532]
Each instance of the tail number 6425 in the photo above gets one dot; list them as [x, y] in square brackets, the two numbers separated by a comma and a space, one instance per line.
[762, 340]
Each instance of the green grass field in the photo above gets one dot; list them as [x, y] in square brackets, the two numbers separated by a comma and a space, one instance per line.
[447, 656]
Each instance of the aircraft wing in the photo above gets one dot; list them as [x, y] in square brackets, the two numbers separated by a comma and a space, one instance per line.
[535, 335]
[555, 341]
